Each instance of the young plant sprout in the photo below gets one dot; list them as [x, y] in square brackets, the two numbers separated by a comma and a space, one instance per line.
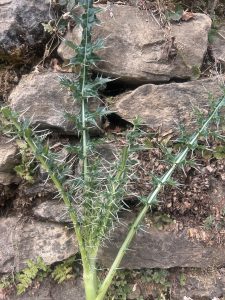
[92, 199]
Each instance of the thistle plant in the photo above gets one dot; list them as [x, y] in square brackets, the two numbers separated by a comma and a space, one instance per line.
[94, 198]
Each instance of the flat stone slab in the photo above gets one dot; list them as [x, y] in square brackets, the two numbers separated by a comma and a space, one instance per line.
[138, 50]
[45, 101]
[167, 105]
[167, 248]
[22, 240]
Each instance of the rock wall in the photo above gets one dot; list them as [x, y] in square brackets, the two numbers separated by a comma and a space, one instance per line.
[157, 65]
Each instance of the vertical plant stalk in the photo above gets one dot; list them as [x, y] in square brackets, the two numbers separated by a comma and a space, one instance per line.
[150, 199]
[89, 271]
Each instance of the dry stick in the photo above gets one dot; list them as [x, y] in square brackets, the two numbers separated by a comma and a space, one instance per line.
[151, 198]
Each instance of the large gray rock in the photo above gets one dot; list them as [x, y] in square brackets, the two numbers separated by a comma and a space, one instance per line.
[22, 240]
[166, 105]
[21, 27]
[9, 158]
[218, 45]
[167, 248]
[138, 50]
[45, 101]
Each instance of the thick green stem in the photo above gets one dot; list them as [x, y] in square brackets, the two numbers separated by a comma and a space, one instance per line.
[83, 112]
[89, 273]
[151, 198]
[90, 280]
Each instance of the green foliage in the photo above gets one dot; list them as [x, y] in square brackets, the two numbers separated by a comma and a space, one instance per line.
[219, 152]
[6, 281]
[100, 188]
[182, 279]
[211, 222]
[176, 14]
[26, 168]
[124, 279]
[161, 219]
[64, 270]
[120, 287]
[34, 270]
[158, 276]
[196, 71]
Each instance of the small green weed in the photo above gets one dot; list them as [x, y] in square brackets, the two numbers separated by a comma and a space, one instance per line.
[64, 270]
[182, 279]
[120, 286]
[209, 222]
[5, 282]
[161, 219]
[175, 15]
[158, 276]
[26, 168]
[34, 270]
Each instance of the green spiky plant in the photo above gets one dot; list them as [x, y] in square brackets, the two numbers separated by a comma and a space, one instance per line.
[92, 200]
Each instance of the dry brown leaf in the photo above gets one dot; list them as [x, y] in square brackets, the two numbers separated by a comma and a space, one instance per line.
[187, 15]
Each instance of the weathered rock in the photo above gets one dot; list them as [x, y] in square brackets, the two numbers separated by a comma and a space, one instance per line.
[8, 155]
[200, 285]
[21, 27]
[8, 160]
[52, 210]
[153, 248]
[166, 105]
[218, 45]
[22, 240]
[138, 50]
[45, 102]
[7, 178]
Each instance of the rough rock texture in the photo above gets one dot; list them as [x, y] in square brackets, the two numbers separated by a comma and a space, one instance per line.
[8, 160]
[138, 50]
[218, 45]
[7, 178]
[8, 152]
[45, 101]
[22, 240]
[201, 285]
[166, 105]
[21, 27]
[52, 210]
[153, 248]
[69, 290]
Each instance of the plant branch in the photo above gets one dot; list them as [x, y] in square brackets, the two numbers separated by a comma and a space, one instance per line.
[27, 136]
[150, 199]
